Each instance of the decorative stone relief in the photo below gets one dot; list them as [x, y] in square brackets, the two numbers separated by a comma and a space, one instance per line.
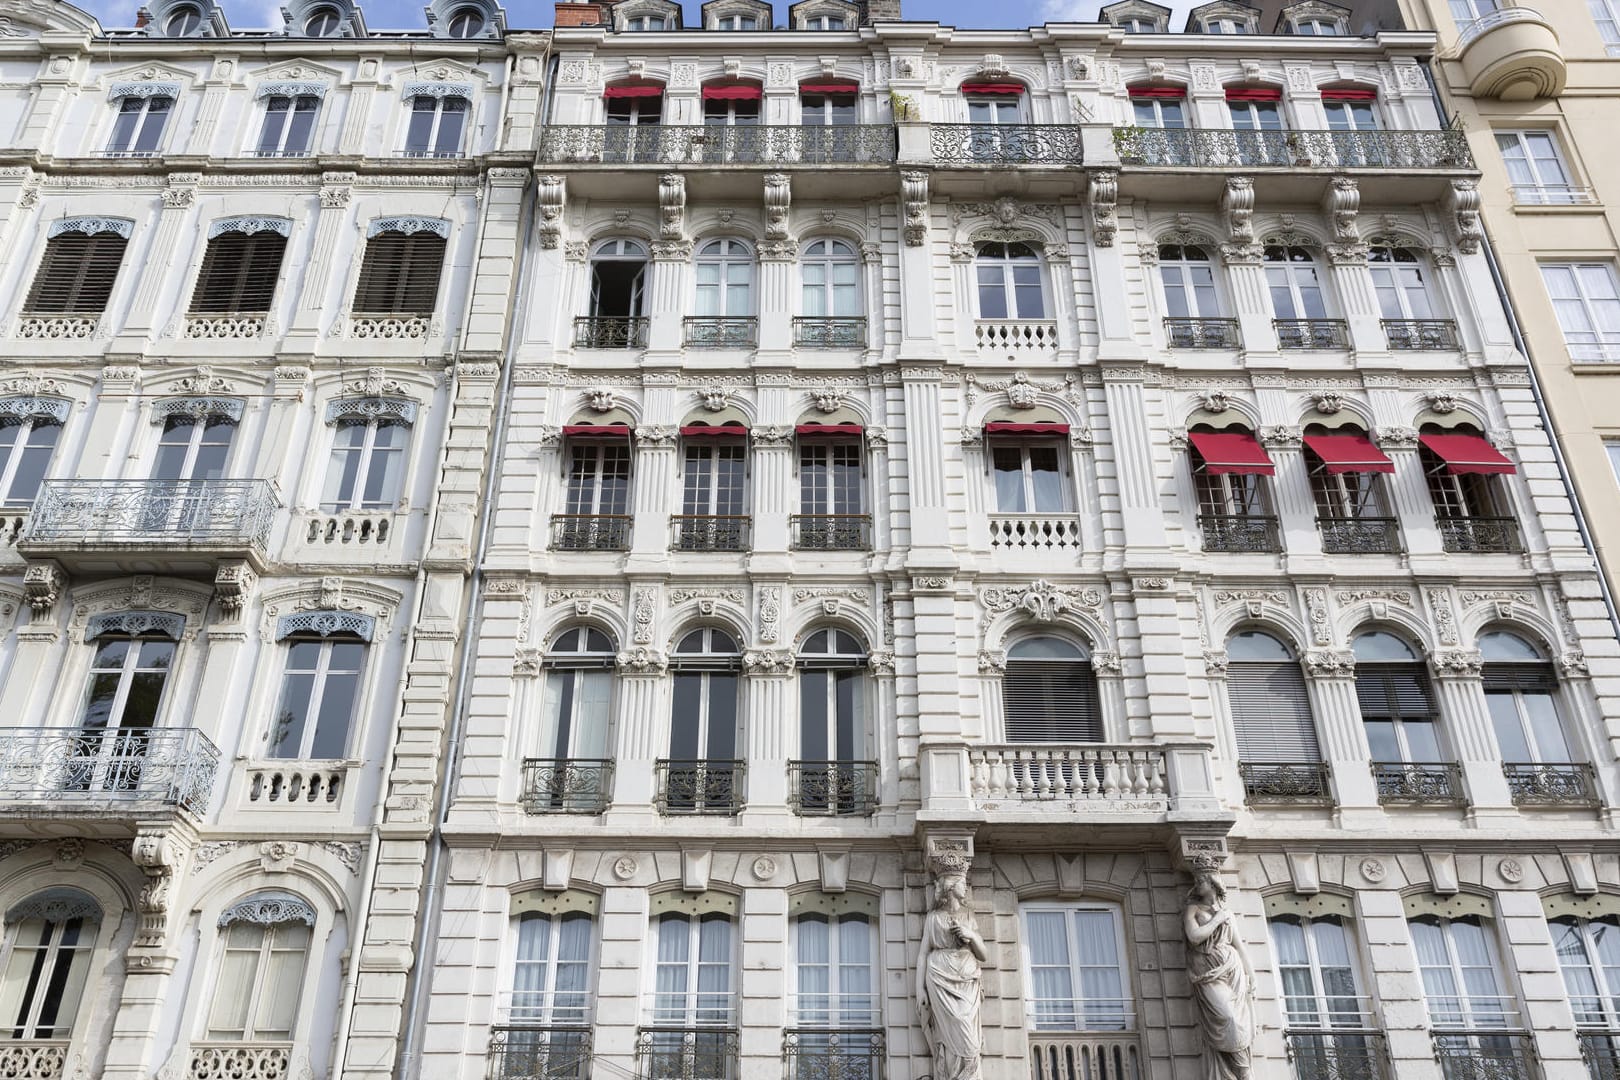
[1341, 202]
[1040, 599]
[914, 193]
[949, 994]
[551, 193]
[778, 197]
[1103, 194]
[1237, 209]
[770, 609]
[645, 604]
[1330, 664]
[672, 206]
[1222, 979]
[768, 662]
[642, 661]
[1462, 202]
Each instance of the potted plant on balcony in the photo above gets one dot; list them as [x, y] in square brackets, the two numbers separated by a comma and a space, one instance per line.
[902, 107]
[1128, 144]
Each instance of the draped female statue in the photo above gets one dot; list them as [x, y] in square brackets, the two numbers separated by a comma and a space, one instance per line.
[948, 991]
[1223, 982]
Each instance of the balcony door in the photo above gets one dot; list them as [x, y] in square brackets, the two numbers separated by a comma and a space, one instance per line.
[833, 739]
[713, 495]
[192, 450]
[703, 723]
[127, 679]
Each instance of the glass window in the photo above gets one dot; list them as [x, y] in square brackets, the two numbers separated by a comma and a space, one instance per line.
[618, 279]
[1465, 12]
[367, 467]
[731, 112]
[323, 22]
[1295, 285]
[1586, 297]
[995, 108]
[1521, 691]
[1589, 956]
[577, 714]
[44, 966]
[261, 979]
[704, 719]
[1316, 27]
[827, 110]
[436, 125]
[1613, 449]
[1049, 693]
[320, 693]
[1188, 277]
[1606, 14]
[713, 474]
[1345, 115]
[1256, 115]
[1316, 968]
[1536, 168]
[466, 23]
[1398, 709]
[139, 125]
[1458, 966]
[1227, 495]
[1159, 112]
[825, 22]
[1009, 278]
[1344, 496]
[725, 279]
[128, 676]
[1398, 279]
[646, 22]
[288, 124]
[1226, 26]
[832, 698]
[183, 21]
[835, 972]
[26, 446]
[1077, 970]
[194, 448]
[830, 275]
[830, 477]
[551, 976]
[1271, 709]
[1030, 477]
[736, 22]
[693, 971]
[599, 478]
[1461, 496]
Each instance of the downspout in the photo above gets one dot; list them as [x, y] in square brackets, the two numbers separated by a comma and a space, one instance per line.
[1535, 391]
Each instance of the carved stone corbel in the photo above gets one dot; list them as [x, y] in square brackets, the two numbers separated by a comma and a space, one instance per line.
[1462, 203]
[233, 586]
[551, 196]
[1237, 209]
[1341, 203]
[778, 197]
[160, 856]
[1104, 197]
[914, 192]
[672, 206]
[44, 581]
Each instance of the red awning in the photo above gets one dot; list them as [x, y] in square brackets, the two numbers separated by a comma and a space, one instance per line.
[1157, 91]
[1349, 95]
[597, 431]
[731, 93]
[1231, 452]
[992, 88]
[713, 431]
[828, 429]
[1253, 93]
[1050, 430]
[1467, 454]
[1349, 453]
[829, 88]
[633, 91]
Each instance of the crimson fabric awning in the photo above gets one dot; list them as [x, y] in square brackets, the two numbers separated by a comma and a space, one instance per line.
[1349, 453]
[992, 88]
[829, 88]
[713, 431]
[1157, 91]
[828, 429]
[597, 431]
[632, 91]
[731, 93]
[1349, 95]
[1004, 428]
[1464, 454]
[1253, 93]
[1231, 452]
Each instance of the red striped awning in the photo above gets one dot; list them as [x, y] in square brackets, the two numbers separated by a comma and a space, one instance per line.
[713, 431]
[633, 91]
[829, 88]
[1349, 453]
[992, 88]
[828, 429]
[1157, 91]
[1237, 452]
[1253, 93]
[1464, 453]
[597, 431]
[1349, 94]
[732, 93]
[1027, 430]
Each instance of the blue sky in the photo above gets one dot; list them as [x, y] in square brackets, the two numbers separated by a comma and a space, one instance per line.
[536, 14]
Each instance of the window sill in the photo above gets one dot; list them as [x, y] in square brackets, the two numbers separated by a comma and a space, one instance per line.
[1575, 209]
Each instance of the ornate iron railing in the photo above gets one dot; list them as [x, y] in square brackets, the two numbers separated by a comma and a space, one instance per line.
[1285, 782]
[1224, 149]
[1599, 1049]
[1548, 784]
[1185, 333]
[1034, 772]
[716, 144]
[1091, 1055]
[686, 1054]
[709, 532]
[33, 1059]
[1480, 535]
[566, 785]
[700, 787]
[1035, 532]
[1359, 536]
[1432, 782]
[590, 532]
[1312, 333]
[844, 332]
[539, 1053]
[1484, 1055]
[995, 145]
[1421, 335]
[240, 1061]
[89, 766]
[721, 332]
[831, 532]
[610, 332]
[1337, 1055]
[833, 788]
[161, 514]
[833, 1055]
[1239, 532]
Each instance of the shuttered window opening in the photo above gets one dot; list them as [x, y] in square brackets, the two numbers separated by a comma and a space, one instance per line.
[1394, 692]
[1530, 678]
[1049, 701]
[76, 275]
[239, 273]
[1271, 713]
[400, 274]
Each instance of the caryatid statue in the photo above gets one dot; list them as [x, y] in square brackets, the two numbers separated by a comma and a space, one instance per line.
[1222, 980]
[949, 996]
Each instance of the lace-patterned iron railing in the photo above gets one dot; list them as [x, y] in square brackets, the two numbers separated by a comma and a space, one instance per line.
[1239, 532]
[1294, 782]
[1479, 535]
[566, 786]
[1599, 1049]
[814, 332]
[709, 532]
[1485, 1055]
[716, 144]
[1336, 1054]
[539, 1053]
[590, 532]
[831, 532]
[1203, 148]
[221, 327]
[832, 788]
[151, 513]
[717, 332]
[240, 1061]
[1312, 334]
[153, 766]
[41, 326]
[993, 145]
[1420, 335]
[1551, 784]
[1436, 783]
[611, 332]
[833, 1054]
[700, 787]
[391, 327]
[686, 1054]
[33, 1059]
[1359, 536]
[1188, 333]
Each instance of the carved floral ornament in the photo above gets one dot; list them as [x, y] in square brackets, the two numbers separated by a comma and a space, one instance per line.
[34, 407]
[361, 410]
[290, 88]
[198, 408]
[438, 89]
[90, 226]
[55, 905]
[248, 225]
[168, 624]
[327, 623]
[1040, 599]
[408, 226]
[145, 89]
[269, 909]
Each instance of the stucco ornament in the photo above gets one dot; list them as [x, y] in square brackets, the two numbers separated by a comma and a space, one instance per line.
[1222, 980]
[601, 398]
[949, 995]
[1021, 394]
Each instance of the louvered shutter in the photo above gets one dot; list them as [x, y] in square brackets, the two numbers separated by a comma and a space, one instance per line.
[76, 275]
[400, 274]
[1531, 678]
[1394, 691]
[239, 273]
[1051, 702]
[1271, 713]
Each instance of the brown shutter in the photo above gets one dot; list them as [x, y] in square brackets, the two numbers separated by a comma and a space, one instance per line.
[1045, 701]
[400, 274]
[239, 273]
[76, 275]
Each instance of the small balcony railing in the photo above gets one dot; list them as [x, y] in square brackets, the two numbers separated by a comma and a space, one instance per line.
[1308, 334]
[1479, 535]
[102, 768]
[1484, 1055]
[217, 325]
[1291, 782]
[162, 515]
[1035, 532]
[1239, 532]
[1359, 536]
[1336, 1054]
[696, 1053]
[34, 1059]
[1422, 783]
[993, 145]
[833, 788]
[700, 787]
[709, 532]
[539, 1053]
[1087, 1055]
[65, 325]
[1023, 336]
[1601, 1052]
[721, 332]
[1186, 333]
[831, 532]
[566, 786]
[610, 331]
[1551, 784]
[1054, 773]
[590, 532]
[717, 144]
[1225, 149]
[1421, 335]
[240, 1061]
[818, 332]
[833, 1055]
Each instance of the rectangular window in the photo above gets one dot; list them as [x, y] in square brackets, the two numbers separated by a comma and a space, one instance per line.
[26, 445]
[261, 978]
[1614, 457]
[139, 126]
[829, 478]
[320, 691]
[239, 273]
[1029, 478]
[288, 124]
[1077, 972]
[599, 478]
[1536, 169]
[76, 275]
[551, 978]
[400, 274]
[693, 970]
[436, 125]
[1606, 14]
[367, 467]
[836, 978]
[46, 964]
[1586, 297]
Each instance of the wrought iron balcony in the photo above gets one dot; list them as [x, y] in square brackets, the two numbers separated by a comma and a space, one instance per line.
[610, 332]
[1484, 1055]
[1213, 148]
[1308, 334]
[709, 532]
[1421, 335]
[539, 1053]
[831, 532]
[221, 517]
[1549, 784]
[717, 332]
[700, 787]
[1337, 1054]
[566, 785]
[997, 145]
[1479, 535]
[1039, 773]
[1359, 536]
[34, 1059]
[833, 788]
[1239, 532]
[1292, 782]
[240, 1061]
[98, 769]
[1185, 333]
[833, 1055]
[1601, 1052]
[695, 1053]
[590, 532]
[1035, 532]
[1434, 783]
[716, 144]
[844, 332]
[1090, 1055]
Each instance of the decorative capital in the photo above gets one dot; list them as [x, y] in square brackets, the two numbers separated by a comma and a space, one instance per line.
[1459, 664]
[1330, 664]
[992, 661]
[642, 661]
[768, 662]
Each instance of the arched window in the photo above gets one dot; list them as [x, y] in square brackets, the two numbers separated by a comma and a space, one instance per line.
[264, 953]
[465, 23]
[183, 21]
[1272, 719]
[27, 441]
[1352, 509]
[1471, 508]
[617, 318]
[1049, 693]
[45, 963]
[703, 773]
[830, 271]
[1010, 286]
[1077, 969]
[1400, 716]
[1589, 955]
[1296, 287]
[835, 982]
[289, 121]
[1188, 276]
[834, 775]
[320, 696]
[1521, 690]
[573, 755]
[725, 280]
[1322, 997]
[1398, 278]
[1462, 988]
[322, 22]
[193, 446]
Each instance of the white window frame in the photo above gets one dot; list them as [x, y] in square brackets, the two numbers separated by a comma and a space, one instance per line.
[1225, 24]
[1606, 343]
[1027, 474]
[432, 149]
[1465, 13]
[1467, 1015]
[1156, 104]
[644, 23]
[1290, 274]
[190, 12]
[1612, 447]
[723, 255]
[200, 423]
[1347, 109]
[280, 149]
[13, 455]
[321, 672]
[268, 933]
[126, 671]
[327, 30]
[55, 954]
[995, 109]
[735, 22]
[1189, 289]
[1606, 14]
[460, 15]
[548, 1014]
[834, 663]
[820, 22]
[1126, 1002]
[1560, 190]
[1608, 989]
[139, 129]
[690, 1010]
[369, 456]
[595, 478]
[1401, 280]
[1004, 266]
[832, 255]
[867, 1017]
[1326, 1019]
[1316, 23]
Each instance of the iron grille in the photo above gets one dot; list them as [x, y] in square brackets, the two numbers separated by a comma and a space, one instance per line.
[566, 786]
[610, 332]
[686, 1054]
[160, 514]
[63, 766]
[700, 787]
[829, 333]
[1285, 782]
[1005, 144]
[539, 1053]
[1185, 333]
[1214, 148]
[1419, 782]
[590, 532]
[1359, 536]
[1484, 1055]
[1239, 532]
[1480, 535]
[1337, 1055]
[762, 144]
[715, 332]
[833, 1055]
[833, 788]
[1419, 335]
[1311, 333]
[709, 532]
[832, 532]
[1539, 784]
[1601, 1051]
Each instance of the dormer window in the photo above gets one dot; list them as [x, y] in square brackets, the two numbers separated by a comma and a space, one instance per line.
[1314, 18]
[184, 21]
[1224, 17]
[1225, 26]
[736, 22]
[646, 22]
[825, 22]
[322, 22]
[466, 23]
[1137, 17]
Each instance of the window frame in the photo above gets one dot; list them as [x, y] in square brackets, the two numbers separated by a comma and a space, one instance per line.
[1605, 978]
[257, 985]
[41, 982]
[319, 685]
[692, 1010]
[704, 666]
[13, 454]
[126, 670]
[1126, 1011]
[1063, 474]
[723, 254]
[1605, 346]
[558, 738]
[232, 274]
[549, 1014]
[1286, 274]
[1061, 726]
[1320, 998]
[136, 133]
[398, 289]
[1156, 105]
[1391, 282]
[54, 253]
[204, 433]
[432, 145]
[1004, 263]
[996, 110]
[833, 255]
[835, 662]
[586, 492]
[1460, 984]
[288, 121]
[1606, 17]
[838, 1016]
[1187, 288]
[367, 452]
